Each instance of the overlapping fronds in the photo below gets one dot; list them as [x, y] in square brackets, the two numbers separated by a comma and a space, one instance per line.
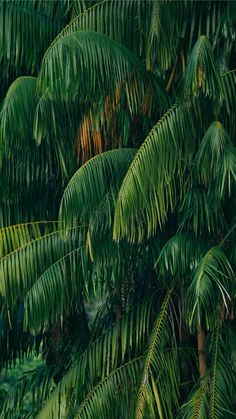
[123, 340]
[148, 191]
[92, 181]
[202, 212]
[15, 236]
[197, 407]
[21, 267]
[212, 285]
[88, 64]
[56, 291]
[229, 87]
[101, 401]
[37, 383]
[156, 364]
[222, 375]
[16, 122]
[27, 29]
[180, 254]
[102, 17]
[202, 73]
[216, 159]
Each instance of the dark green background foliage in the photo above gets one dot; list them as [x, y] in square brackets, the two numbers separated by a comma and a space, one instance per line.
[117, 208]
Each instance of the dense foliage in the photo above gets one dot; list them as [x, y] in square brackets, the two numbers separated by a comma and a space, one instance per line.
[117, 198]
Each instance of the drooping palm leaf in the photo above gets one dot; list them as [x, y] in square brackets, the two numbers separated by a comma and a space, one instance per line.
[108, 348]
[202, 72]
[21, 268]
[154, 363]
[91, 183]
[148, 190]
[180, 254]
[101, 401]
[212, 286]
[56, 291]
[22, 45]
[216, 159]
[101, 64]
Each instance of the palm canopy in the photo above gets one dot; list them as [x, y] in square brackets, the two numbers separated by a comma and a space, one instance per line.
[117, 129]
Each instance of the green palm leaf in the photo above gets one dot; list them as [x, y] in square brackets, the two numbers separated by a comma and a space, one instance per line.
[202, 73]
[22, 45]
[102, 17]
[100, 402]
[16, 122]
[92, 182]
[15, 236]
[148, 190]
[180, 254]
[103, 356]
[212, 286]
[197, 407]
[20, 268]
[56, 291]
[155, 362]
[222, 400]
[101, 64]
[216, 159]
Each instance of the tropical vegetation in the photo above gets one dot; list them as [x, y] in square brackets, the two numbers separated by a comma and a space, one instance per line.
[117, 198]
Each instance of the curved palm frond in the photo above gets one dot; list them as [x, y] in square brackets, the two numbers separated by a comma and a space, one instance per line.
[21, 268]
[101, 401]
[102, 17]
[155, 362]
[229, 86]
[55, 291]
[202, 73]
[148, 190]
[38, 382]
[197, 406]
[91, 183]
[180, 254]
[222, 400]
[202, 212]
[16, 122]
[22, 45]
[15, 236]
[101, 64]
[103, 356]
[212, 285]
[216, 158]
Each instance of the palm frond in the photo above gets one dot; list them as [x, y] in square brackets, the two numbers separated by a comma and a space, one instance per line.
[102, 17]
[56, 291]
[202, 73]
[148, 190]
[100, 401]
[180, 254]
[22, 45]
[103, 356]
[37, 383]
[202, 212]
[216, 159]
[92, 181]
[212, 286]
[197, 406]
[15, 236]
[21, 268]
[228, 86]
[155, 362]
[16, 122]
[222, 400]
[101, 64]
